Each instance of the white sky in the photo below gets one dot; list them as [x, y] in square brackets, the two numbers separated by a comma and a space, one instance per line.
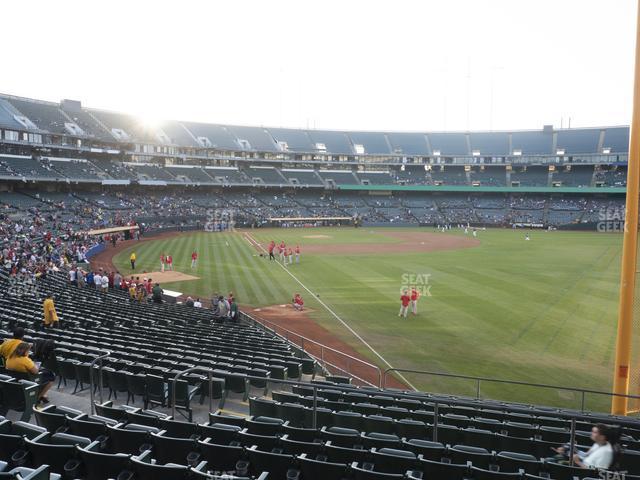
[345, 64]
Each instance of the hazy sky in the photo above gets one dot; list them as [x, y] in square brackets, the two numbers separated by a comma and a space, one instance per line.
[364, 65]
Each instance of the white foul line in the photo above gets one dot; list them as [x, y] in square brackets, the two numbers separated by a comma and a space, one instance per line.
[256, 243]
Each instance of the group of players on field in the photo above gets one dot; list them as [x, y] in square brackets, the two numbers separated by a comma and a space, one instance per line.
[286, 254]
[408, 299]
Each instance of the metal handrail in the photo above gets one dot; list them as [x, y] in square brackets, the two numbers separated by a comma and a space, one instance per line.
[342, 389]
[92, 364]
[263, 322]
[184, 372]
[479, 380]
[248, 378]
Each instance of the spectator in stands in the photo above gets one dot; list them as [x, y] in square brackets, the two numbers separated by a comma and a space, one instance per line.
[117, 280]
[197, 303]
[20, 362]
[223, 307]
[89, 279]
[50, 314]
[215, 304]
[233, 310]
[132, 289]
[189, 302]
[157, 293]
[8, 346]
[602, 453]
[141, 293]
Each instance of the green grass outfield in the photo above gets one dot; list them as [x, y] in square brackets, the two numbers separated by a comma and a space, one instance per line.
[541, 311]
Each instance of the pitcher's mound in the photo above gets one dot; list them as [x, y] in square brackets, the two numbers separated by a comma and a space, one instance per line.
[167, 277]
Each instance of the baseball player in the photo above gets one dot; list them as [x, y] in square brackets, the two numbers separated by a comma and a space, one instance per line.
[405, 299]
[414, 300]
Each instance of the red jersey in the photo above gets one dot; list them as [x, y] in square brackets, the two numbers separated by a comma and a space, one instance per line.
[194, 256]
[271, 247]
[405, 300]
[169, 259]
[414, 295]
[297, 249]
[290, 252]
[161, 258]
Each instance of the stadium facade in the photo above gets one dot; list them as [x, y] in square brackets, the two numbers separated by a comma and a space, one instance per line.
[566, 178]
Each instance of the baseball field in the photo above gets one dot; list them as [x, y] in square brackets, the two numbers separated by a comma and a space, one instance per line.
[542, 310]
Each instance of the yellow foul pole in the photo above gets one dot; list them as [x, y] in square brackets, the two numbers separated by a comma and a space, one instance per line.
[629, 249]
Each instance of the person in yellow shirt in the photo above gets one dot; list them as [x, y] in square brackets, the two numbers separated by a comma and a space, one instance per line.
[9, 345]
[20, 362]
[132, 289]
[50, 314]
[132, 259]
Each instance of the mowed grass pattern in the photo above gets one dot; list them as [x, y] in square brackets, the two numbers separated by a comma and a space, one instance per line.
[541, 311]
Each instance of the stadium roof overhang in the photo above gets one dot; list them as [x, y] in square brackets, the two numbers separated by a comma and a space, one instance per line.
[468, 188]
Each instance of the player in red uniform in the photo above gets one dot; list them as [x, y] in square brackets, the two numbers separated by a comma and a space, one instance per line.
[169, 262]
[405, 299]
[272, 245]
[281, 251]
[414, 300]
[162, 261]
[297, 253]
[298, 303]
[194, 259]
[290, 255]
